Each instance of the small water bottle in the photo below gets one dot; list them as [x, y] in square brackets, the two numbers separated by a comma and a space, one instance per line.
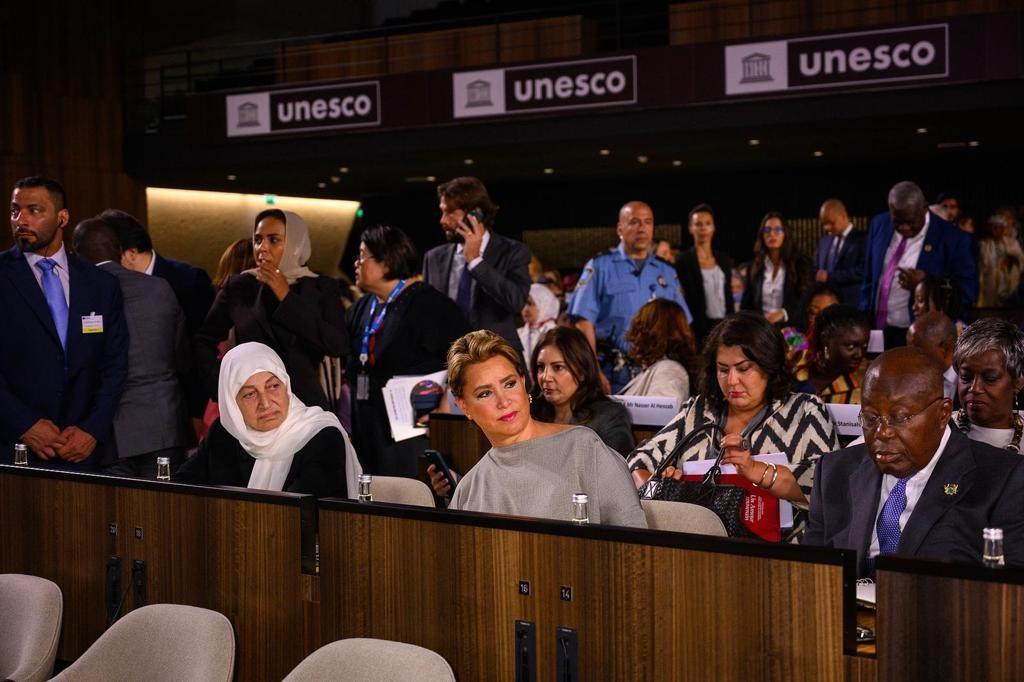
[21, 454]
[163, 468]
[580, 513]
[364, 488]
[992, 553]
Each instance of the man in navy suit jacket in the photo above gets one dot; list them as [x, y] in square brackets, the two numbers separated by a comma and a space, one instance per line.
[59, 398]
[915, 487]
[840, 257]
[926, 244]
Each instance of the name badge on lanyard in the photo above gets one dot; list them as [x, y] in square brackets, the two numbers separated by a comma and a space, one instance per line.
[373, 324]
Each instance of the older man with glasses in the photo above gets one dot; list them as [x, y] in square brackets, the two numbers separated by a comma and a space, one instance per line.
[915, 487]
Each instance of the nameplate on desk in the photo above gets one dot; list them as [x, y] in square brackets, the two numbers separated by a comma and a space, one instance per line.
[845, 417]
[645, 409]
[876, 341]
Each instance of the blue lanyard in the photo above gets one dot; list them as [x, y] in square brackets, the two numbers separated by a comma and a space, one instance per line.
[372, 324]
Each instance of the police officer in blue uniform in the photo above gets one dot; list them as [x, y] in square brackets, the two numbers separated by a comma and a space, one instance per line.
[615, 284]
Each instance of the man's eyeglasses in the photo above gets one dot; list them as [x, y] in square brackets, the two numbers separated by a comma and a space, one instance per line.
[871, 422]
[768, 229]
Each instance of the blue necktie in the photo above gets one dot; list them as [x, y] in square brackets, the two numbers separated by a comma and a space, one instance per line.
[55, 300]
[465, 290]
[889, 519]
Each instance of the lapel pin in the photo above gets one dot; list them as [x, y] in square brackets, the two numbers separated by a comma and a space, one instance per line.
[950, 488]
[927, 247]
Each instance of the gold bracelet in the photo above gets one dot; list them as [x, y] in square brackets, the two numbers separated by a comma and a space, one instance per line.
[775, 477]
[763, 474]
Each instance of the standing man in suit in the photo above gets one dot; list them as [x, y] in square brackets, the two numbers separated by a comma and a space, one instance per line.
[151, 420]
[485, 274]
[840, 257]
[191, 286]
[63, 355]
[915, 487]
[903, 245]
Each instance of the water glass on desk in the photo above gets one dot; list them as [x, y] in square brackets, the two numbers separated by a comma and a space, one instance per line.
[163, 468]
[21, 454]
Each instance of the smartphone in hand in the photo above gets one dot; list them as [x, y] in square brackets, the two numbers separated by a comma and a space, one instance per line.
[434, 457]
[476, 213]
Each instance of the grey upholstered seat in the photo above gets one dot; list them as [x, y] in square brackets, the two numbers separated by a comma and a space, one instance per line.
[682, 517]
[160, 643]
[397, 490]
[30, 617]
[372, 660]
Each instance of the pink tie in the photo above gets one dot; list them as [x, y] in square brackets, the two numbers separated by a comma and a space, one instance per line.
[886, 285]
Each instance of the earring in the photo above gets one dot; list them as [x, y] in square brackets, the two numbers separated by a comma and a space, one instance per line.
[531, 400]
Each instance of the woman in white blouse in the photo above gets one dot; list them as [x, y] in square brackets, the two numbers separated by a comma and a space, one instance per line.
[778, 276]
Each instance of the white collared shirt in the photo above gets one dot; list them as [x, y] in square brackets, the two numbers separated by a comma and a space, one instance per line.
[714, 292]
[899, 298]
[997, 438]
[772, 287]
[915, 486]
[152, 262]
[61, 258]
[459, 262]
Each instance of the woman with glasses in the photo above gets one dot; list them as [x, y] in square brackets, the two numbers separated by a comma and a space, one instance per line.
[779, 275]
[402, 326]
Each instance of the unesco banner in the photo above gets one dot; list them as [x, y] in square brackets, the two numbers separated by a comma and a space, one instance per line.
[303, 109]
[835, 61]
[545, 87]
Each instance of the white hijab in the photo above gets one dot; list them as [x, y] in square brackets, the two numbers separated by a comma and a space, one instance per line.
[547, 314]
[297, 249]
[273, 450]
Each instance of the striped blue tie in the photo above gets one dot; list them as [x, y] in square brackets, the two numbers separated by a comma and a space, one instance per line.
[889, 519]
[55, 300]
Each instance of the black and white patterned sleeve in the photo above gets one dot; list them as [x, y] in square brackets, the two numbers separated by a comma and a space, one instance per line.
[649, 454]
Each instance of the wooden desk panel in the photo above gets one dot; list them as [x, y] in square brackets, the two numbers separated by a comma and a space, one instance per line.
[646, 605]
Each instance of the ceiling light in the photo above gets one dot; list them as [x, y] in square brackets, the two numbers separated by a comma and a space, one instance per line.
[642, 159]
[604, 152]
[973, 143]
[468, 162]
[753, 142]
[343, 169]
[922, 131]
[549, 171]
[335, 179]
[677, 163]
[321, 185]
[232, 177]
[431, 178]
[818, 153]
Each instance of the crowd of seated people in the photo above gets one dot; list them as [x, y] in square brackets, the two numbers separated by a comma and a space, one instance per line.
[759, 384]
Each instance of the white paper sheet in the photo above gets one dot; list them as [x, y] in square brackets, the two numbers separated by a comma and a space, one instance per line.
[397, 400]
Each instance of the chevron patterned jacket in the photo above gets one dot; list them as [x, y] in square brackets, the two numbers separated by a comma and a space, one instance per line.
[799, 426]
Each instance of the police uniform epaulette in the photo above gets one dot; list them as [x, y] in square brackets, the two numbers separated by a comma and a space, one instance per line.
[607, 252]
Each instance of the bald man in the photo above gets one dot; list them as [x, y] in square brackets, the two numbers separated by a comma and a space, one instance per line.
[916, 487]
[615, 284]
[903, 246]
[935, 334]
[840, 257]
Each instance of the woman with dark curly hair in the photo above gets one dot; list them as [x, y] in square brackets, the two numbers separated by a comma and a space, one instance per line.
[662, 344]
[779, 275]
[567, 389]
[744, 381]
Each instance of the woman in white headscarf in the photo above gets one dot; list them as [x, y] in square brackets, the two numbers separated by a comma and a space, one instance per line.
[280, 303]
[539, 315]
[266, 437]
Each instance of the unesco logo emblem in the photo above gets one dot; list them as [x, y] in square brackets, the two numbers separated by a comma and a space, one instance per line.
[478, 94]
[248, 115]
[757, 68]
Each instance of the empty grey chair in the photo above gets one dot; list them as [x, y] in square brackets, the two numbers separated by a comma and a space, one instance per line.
[160, 643]
[682, 517]
[372, 660]
[398, 490]
[30, 617]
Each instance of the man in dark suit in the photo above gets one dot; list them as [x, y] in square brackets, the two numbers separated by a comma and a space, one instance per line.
[903, 245]
[151, 420]
[935, 334]
[915, 487]
[485, 274]
[840, 257]
[63, 354]
[191, 286]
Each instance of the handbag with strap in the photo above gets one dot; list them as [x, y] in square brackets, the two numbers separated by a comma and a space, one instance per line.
[725, 500]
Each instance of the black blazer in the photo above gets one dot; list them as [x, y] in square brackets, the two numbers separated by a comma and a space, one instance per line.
[307, 325]
[317, 469]
[693, 287]
[501, 284]
[847, 273]
[191, 286]
[793, 297]
[946, 523]
[610, 421]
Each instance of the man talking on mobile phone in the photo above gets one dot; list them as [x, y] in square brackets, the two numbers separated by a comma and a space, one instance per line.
[484, 273]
